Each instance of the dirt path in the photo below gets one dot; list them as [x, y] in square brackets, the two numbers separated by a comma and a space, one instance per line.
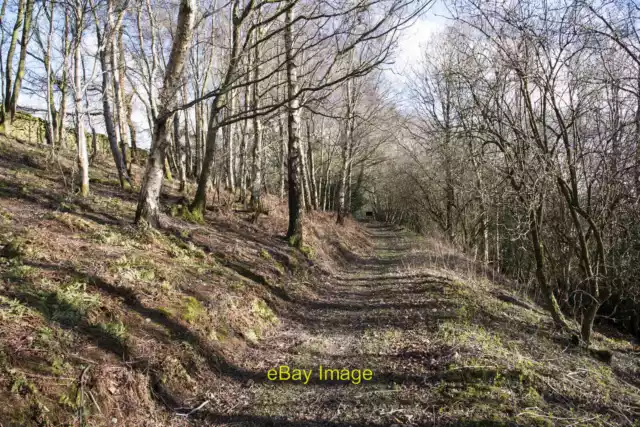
[379, 314]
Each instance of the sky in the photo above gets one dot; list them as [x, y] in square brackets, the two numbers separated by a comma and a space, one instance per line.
[414, 40]
[412, 43]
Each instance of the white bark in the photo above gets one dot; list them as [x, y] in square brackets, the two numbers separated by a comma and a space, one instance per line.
[149, 200]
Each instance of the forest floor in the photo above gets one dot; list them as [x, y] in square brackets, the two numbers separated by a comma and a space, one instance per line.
[443, 347]
[103, 323]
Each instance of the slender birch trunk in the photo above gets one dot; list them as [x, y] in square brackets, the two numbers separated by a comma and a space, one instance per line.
[78, 72]
[198, 205]
[23, 18]
[346, 142]
[3, 9]
[294, 233]
[149, 199]
[256, 175]
[47, 60]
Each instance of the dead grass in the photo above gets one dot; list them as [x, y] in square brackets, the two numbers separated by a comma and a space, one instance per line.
[102, 320]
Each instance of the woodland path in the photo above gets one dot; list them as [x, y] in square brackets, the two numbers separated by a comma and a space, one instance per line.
[380, 313]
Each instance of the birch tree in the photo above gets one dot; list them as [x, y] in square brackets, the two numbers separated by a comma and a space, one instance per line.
[148, 209]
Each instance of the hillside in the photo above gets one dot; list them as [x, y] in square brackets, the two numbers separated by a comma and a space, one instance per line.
[102, 323]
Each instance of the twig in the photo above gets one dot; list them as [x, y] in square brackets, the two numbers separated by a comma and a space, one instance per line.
[93, 399]
[202, 405]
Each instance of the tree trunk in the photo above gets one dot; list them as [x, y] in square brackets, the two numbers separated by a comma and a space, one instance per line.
[94, 135]
[17, 84]
[62, 110]
[198, 205]
[187, 137]
[294, 233]
[118, 67]
[3, 10]
[148, 209]
[133, 158]
[50, 126]
[182, 152]
[349, 191]
[81, 143]
[306, 188]
[346, 142]
[242, 173]
[637, 138]
[199, 138]
[312, 174]
[547, 292]
[6, 113]
[105, 54]
[256, 175]
[230, 132]
[283, 147]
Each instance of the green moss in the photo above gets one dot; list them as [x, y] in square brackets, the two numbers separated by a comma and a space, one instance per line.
[251, 335]
[532, 398]
[68, 207]
[70, 303]
[473, 336]
[71, 398]
[183, 212]
[265, 254]
[5, 216]
[237, 286]
[295, 241]
[74, 222]
[59, 366]
[261, 308]
[21, 385]
[168, 312]
[116, 330]
[17, 272]
[220, 333]
[14, 249]
[105, 181]
[109, 237]
[307, 251]
[181, 249]
[11, 308]
[192, 309]
[134, 268]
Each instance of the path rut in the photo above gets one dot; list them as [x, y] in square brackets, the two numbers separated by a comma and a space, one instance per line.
[380, 313]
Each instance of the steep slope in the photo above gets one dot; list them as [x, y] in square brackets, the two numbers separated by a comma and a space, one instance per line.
[102, 323]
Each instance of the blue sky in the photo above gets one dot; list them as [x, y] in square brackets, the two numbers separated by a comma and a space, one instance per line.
[410, 49]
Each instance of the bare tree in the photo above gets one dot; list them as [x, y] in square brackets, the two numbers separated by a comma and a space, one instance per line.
[148, 202]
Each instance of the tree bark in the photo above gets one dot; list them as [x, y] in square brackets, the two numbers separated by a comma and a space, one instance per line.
[6, 113]
[12, 97]
[198, 205]
[538, 251]
[346, 149]
[133, 157]
[181, 151]
[256, 175]
[78, 68]
[294, 233]
[118, 67]
[306, 189]
[62, 110]
[148, 209]
[312, 174]
[107, 41]
[50, 127]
